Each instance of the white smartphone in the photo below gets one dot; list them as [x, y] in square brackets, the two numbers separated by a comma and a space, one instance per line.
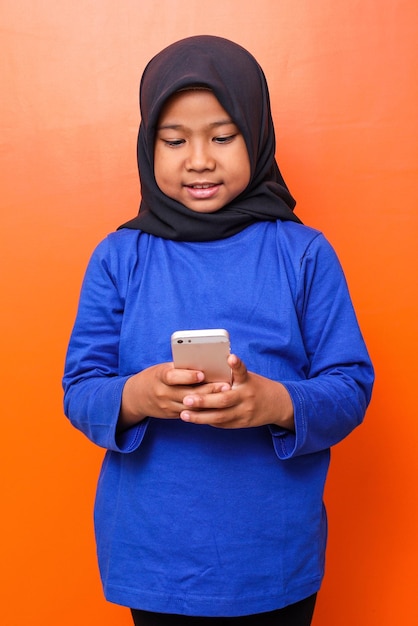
[204, 350]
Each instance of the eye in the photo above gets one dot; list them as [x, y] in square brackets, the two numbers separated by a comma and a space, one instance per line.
[173, 143]
[226, 139]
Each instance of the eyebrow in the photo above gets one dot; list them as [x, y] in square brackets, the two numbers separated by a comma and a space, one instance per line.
[225, 122]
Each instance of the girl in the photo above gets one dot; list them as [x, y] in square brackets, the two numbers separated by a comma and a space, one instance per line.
[209, 504]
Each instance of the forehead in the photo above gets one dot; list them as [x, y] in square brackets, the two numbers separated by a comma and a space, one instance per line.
[193, 105]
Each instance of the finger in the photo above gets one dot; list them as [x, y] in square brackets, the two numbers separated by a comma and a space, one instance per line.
[216, 418]
[239, 369]
[214, 388]
[219, 399]
[196, 417]
[175, 376]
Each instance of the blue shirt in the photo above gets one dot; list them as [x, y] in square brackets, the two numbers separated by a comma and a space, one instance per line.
[196, 520]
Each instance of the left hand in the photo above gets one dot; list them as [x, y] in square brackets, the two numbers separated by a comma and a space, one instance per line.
[252, 400]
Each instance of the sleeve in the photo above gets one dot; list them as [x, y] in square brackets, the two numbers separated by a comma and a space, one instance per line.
[332, 400]
[92, 384]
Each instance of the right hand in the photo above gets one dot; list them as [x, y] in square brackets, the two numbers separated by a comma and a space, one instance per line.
[158, 391]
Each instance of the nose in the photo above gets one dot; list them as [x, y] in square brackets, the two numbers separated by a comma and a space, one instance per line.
[199, 157]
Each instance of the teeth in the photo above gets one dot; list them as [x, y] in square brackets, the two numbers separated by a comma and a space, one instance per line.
[202, 186]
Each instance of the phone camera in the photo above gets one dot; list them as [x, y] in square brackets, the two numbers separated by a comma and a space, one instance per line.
[179, 340]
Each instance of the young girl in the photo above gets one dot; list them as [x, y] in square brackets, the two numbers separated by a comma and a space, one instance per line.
[209, 503]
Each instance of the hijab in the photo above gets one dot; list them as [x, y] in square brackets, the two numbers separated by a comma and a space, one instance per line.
[239, 84]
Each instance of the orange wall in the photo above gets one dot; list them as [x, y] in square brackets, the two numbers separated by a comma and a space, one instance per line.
[344, 91]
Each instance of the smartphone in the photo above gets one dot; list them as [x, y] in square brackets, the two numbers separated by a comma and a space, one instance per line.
[204, 350]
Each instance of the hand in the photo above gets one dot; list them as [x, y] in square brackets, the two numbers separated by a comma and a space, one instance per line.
[159, 391]
[252, 400]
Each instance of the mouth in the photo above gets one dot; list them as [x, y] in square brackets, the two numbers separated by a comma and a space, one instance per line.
[201, 185]
[202, 191]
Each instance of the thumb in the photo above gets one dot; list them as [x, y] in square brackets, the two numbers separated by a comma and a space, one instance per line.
[239, 370]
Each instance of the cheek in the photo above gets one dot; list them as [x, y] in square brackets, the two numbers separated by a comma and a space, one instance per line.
[243, 167]
[161, 167]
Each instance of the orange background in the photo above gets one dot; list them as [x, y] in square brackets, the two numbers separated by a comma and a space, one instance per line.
[343, 83]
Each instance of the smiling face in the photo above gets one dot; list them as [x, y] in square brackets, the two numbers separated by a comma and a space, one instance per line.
[200, 157]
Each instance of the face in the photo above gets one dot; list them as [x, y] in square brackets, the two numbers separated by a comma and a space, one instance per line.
[200, 157]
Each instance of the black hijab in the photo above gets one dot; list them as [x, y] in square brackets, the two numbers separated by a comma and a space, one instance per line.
[238, 82]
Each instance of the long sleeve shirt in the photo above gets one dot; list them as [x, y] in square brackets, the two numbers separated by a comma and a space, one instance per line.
[192, 519]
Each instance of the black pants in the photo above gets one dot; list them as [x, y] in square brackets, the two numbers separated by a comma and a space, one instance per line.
[299, 614]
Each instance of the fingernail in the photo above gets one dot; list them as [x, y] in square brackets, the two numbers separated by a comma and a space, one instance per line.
[185, 416]
[188, 401]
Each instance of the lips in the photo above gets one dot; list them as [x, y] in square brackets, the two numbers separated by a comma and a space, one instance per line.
[202, 191]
